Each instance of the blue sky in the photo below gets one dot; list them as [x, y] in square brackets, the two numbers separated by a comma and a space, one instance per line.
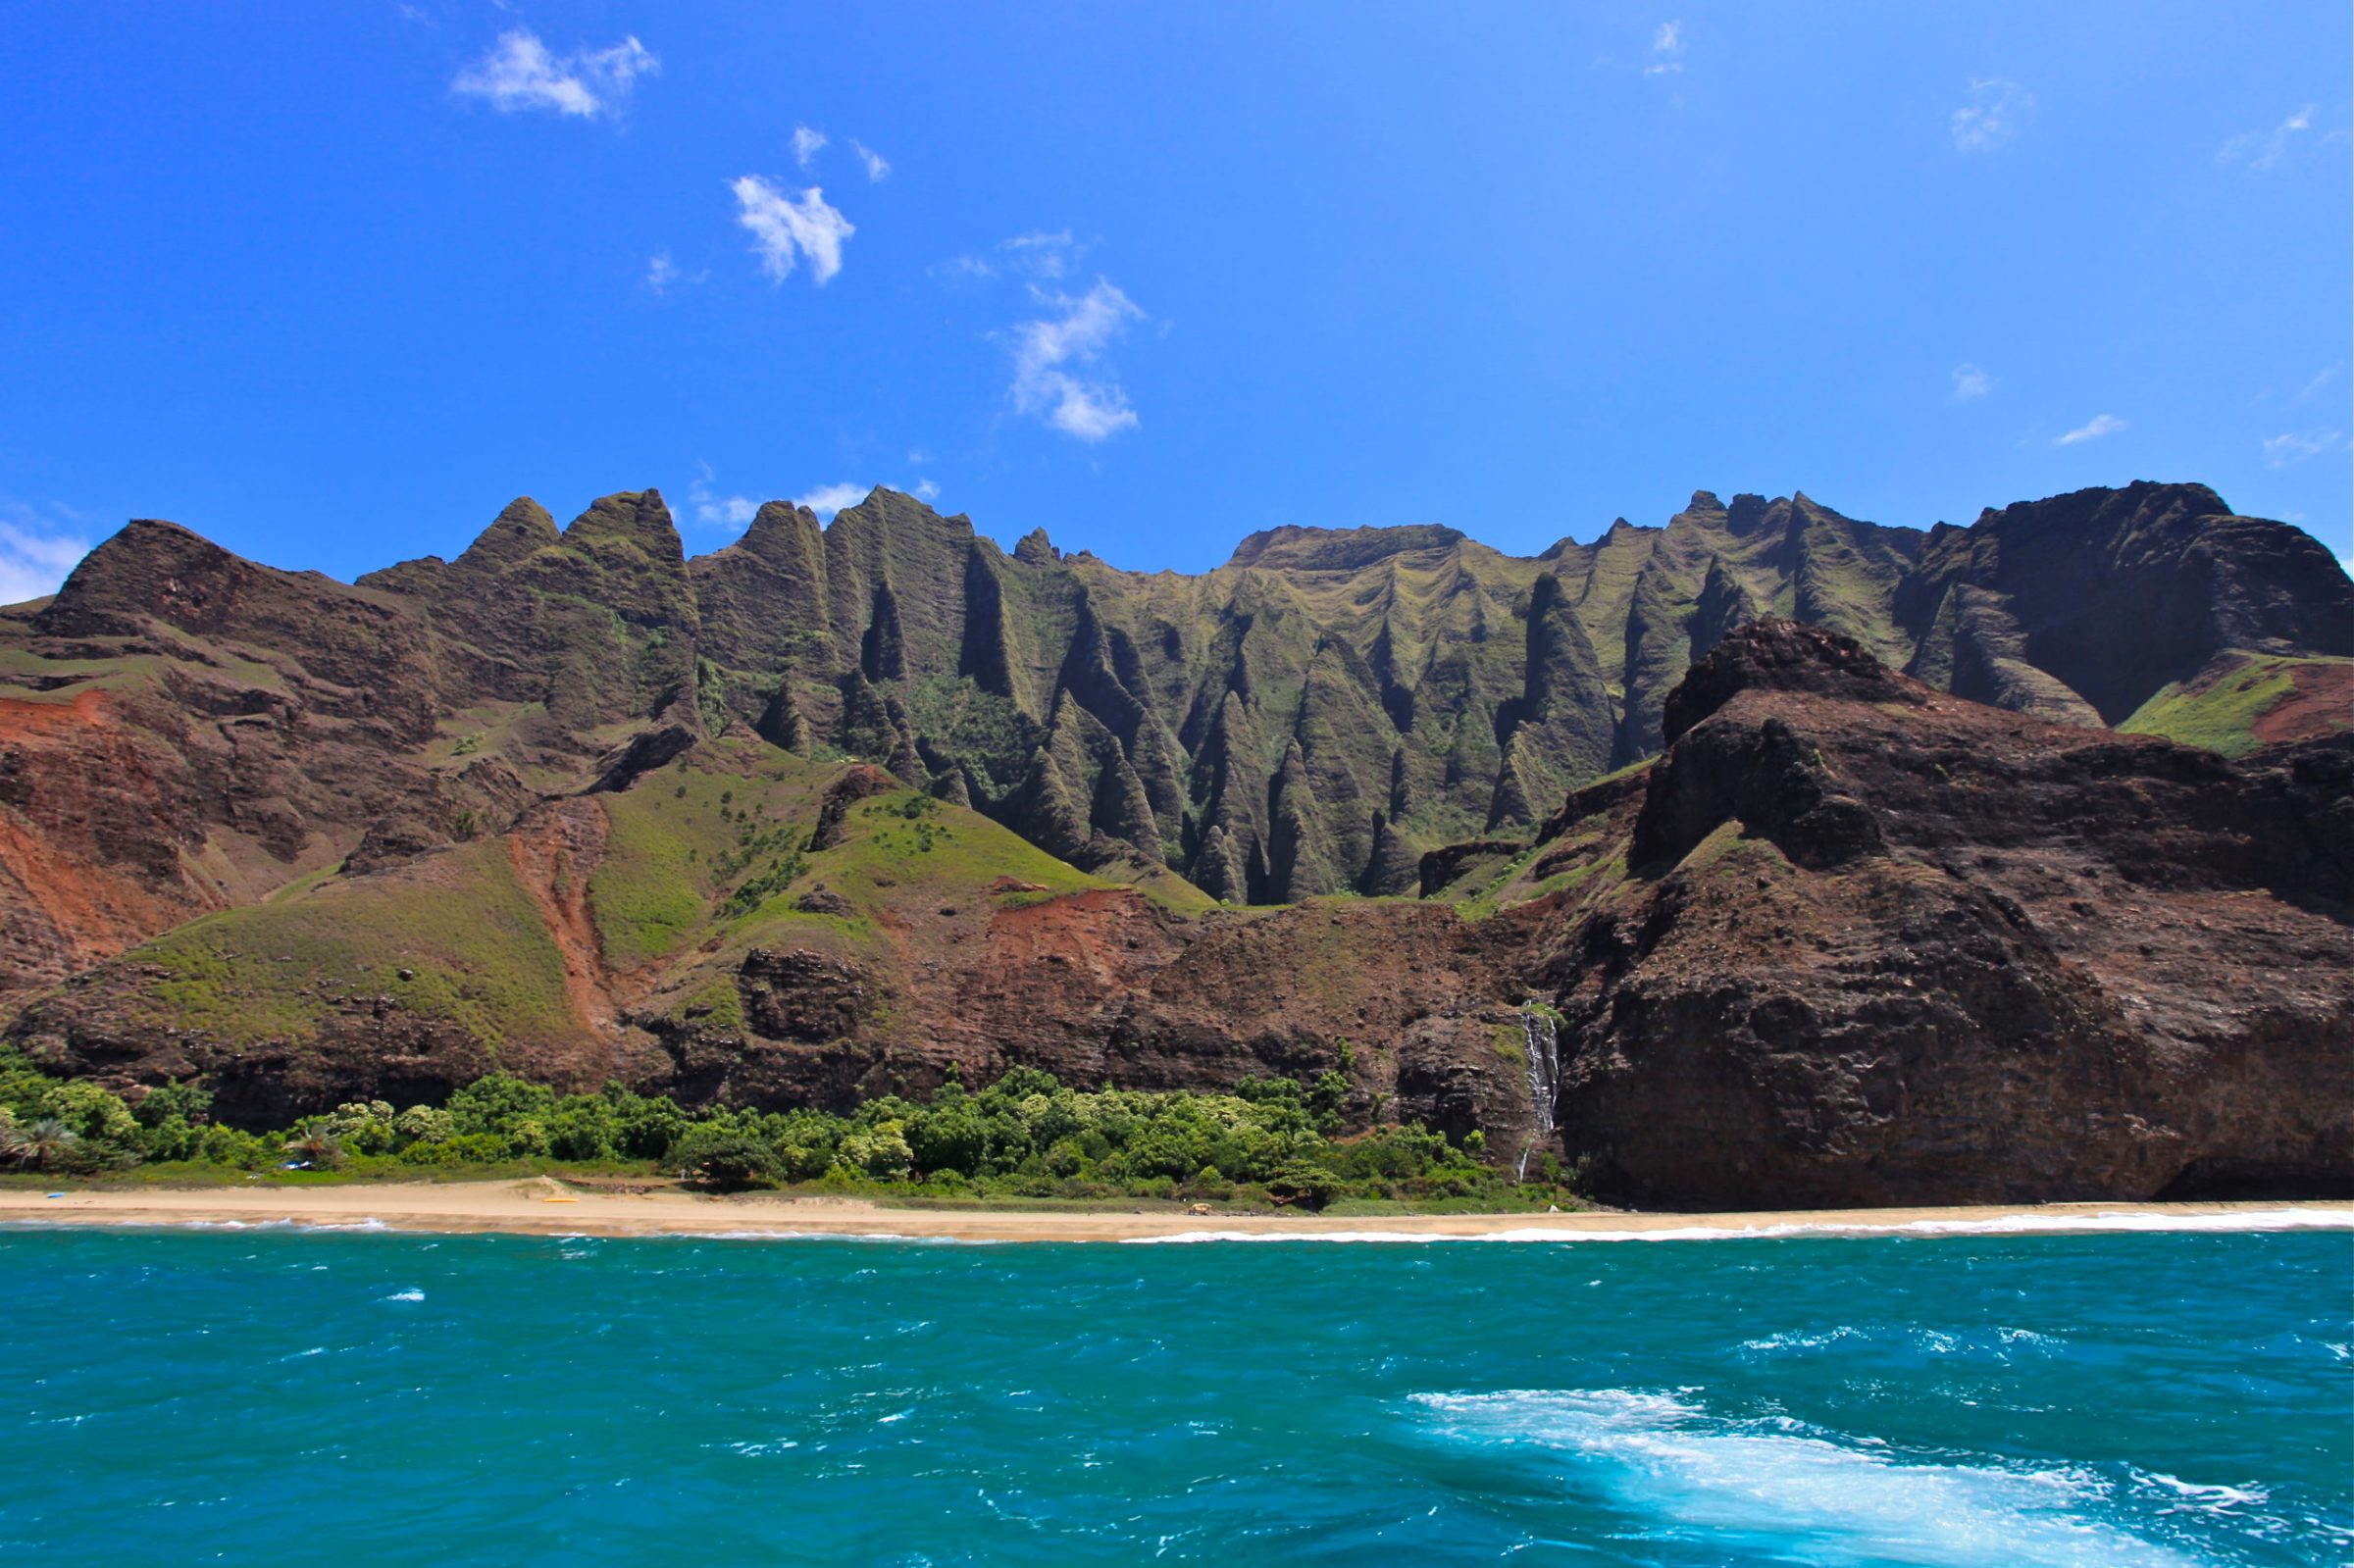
[333, 283]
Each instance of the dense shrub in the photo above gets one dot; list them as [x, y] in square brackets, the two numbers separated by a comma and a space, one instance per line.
[721, 1161]
[1026, 1135]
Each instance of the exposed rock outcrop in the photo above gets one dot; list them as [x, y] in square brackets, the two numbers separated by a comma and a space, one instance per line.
[1887, 947]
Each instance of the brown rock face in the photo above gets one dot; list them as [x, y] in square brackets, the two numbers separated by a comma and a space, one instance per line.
[1854, 937]
[1888, 946]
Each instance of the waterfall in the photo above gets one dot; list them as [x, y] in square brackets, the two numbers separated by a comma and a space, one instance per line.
[1541, 1038]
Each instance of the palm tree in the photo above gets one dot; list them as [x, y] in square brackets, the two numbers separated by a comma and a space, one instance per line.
[43, 1145]
[321, 1151]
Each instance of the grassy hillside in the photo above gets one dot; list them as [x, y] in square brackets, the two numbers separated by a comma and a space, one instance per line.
[278, 970]
[700, 862]
[2244, 700]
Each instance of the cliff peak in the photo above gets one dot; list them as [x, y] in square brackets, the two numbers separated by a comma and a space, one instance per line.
[631, 516]
[1778, 655]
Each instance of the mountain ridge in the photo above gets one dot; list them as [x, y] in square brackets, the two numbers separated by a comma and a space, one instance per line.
[1848, 940]
[1310, 718]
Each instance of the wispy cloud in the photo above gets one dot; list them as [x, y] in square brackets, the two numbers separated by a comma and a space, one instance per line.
[1998, 110]
[662, 274]
[1049, 352]
[2263, 149]
[785, 229]
[1040, 254]
[520, 73]
[2322, 379]
[2282, 451]
[806, 145]
[1043, 254]
[827, 499]
[2092, 430]
[715, 511]
[1666, 46]
[1971, 384]
[878, 167]
[734, 513]
[34, 557]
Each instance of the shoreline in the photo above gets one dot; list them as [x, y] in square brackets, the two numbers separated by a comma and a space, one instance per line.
[545, 1206]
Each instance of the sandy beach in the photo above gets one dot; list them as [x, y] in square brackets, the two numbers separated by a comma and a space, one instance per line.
[545, 1206]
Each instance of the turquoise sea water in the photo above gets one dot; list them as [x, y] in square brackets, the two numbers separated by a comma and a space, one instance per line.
[278, 1395]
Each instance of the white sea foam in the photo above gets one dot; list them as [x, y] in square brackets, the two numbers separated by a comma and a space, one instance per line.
[1695, 1474]
[142, 1222]
[267, 1224]
[821, 1235]
[2289, 1219]
[412, 1294]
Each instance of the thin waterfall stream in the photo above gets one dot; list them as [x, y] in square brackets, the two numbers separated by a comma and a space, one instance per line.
[1541, 1037]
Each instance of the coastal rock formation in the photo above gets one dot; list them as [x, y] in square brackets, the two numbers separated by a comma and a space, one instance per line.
[1881, 947]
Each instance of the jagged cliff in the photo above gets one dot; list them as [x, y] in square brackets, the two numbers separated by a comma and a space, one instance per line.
[833, 809]
[181, 729]
[1850, 939]
[186, 730]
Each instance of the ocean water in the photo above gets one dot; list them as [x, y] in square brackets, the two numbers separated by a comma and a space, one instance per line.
[281, 1395]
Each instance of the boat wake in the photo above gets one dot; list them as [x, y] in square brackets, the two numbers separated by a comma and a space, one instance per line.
[1794, 1493]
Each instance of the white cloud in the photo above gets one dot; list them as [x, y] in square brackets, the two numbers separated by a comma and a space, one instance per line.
[1666, 44]
[716, 511]
[827, 499]
[925, 489]
[877, 166]
[662, 274]
[961, 267]
[728, 511]
[806, 145]
[2280, 451]
[34, 561]
[1997, 111]
[519, 72]
[2263, 149]
[1038, 252]
[1046, 351]
[786, 228]
[2092, 430]
[1971, 384]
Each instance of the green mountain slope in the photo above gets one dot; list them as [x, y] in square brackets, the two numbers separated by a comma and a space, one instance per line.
[182, 732]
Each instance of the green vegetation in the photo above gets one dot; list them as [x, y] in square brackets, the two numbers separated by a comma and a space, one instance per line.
[2221, 712]
[278, 970]
[1027, 1135]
